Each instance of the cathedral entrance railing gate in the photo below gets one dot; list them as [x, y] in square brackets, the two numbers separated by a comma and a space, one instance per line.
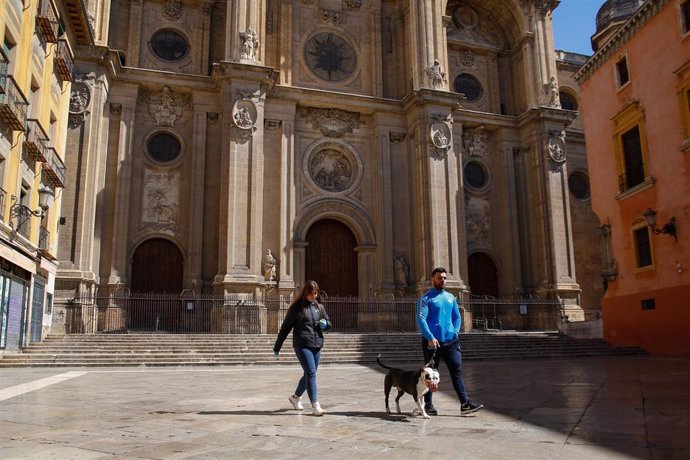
[529, 313]
[242, 314]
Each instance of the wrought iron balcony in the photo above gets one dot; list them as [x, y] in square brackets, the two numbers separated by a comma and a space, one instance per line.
[632, 177]
[64, 63]
[54, 169]
[4, 63]
[13, 105]
[3, 197]
[36, 140]
[43, 237]
[47, 20]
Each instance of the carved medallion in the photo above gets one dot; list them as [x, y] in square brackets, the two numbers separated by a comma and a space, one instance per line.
[441, 135]
[557, 150]
[332, 167]
[467, 57]
[79, 100]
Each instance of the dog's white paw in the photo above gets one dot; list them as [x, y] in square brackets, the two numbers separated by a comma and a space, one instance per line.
[426, 416]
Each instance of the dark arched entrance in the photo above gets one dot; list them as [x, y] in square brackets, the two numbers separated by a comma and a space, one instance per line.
[157, 267]
[483, 278]
[330, 258]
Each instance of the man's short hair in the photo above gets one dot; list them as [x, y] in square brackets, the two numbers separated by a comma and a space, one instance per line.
[438, 270]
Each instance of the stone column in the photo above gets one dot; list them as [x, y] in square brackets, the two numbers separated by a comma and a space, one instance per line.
[243, 90]
[385, 281]
[124, 100]
[245, 31]
[541, 68]
[365, 262]
[134, 37]
[427, 37]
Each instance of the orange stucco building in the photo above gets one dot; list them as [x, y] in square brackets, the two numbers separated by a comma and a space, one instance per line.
[636, 110]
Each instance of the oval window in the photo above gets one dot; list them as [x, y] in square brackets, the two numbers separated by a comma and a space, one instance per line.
[578, 183]
[163, 147]
[469, 86]
[475, 175]
[169, 45]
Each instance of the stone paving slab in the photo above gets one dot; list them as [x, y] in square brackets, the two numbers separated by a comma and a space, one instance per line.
[614, 407]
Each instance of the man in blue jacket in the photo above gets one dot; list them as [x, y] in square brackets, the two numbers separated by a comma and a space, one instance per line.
[438, 319]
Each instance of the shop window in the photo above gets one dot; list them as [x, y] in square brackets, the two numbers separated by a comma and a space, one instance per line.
[622, 73]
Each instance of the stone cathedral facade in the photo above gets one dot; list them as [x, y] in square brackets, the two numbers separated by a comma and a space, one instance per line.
[244, 145]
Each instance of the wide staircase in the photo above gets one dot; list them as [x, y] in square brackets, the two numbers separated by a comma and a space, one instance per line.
[227, 350]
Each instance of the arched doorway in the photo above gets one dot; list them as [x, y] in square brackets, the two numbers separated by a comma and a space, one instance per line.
[157, 267]
[483, 278]
[330, 258]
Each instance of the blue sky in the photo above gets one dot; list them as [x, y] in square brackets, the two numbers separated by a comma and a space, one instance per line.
[574, 24]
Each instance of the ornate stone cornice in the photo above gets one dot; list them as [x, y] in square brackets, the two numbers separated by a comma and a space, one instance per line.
[648, 10]
[333, 122]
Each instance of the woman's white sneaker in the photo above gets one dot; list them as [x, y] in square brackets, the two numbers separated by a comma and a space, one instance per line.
[316, 408]
[296, 402]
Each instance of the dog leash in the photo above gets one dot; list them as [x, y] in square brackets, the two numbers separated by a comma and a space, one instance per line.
[431, 361]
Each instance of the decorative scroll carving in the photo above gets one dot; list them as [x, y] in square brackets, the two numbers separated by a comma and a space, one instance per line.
[467, 57]
[161, 198]
[476, 141]
[353, 4]
[115, 109]
[272, 125]
[396, 138]
[172, 9]
[165, 106]
[332, 17]
[333, 122]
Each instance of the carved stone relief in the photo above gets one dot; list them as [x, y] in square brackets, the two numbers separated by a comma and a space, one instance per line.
[402, 272]
[212, 117]
[160, 201]
[244, 116]
[353, 4]
[249, 44]
[172, 9]
[79, 101]
[396, 138]
[476, 141]
[467, 57]
[333, 122]
[272, 125]
[441, 136]
[332, 17]
[165, 106]
[469, 27]
[552, 93]
[270, 265]
[332, 168]
[115, 109]
[557, 151]
[478, 213]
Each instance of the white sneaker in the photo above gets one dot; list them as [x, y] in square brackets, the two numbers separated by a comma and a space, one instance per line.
[316, 408]
[296, 402]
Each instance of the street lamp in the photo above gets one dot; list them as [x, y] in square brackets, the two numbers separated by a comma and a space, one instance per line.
[668, 229]
[22, 212]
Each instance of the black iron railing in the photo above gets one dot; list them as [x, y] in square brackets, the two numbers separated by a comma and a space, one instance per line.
[13, 105]
[64, 64]
[47, 21]
[53, 168]
[43, 237]
[36, 140]
[242, 314]
[3, 197]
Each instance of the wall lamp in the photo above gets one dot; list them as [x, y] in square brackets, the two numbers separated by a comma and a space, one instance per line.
[22, 212]
[668, 229]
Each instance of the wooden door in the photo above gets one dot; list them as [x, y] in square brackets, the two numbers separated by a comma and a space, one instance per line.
[157, 267]
[483, 278]
[330, 258]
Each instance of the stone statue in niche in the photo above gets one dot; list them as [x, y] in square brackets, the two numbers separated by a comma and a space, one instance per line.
[553, 93]
[437, 77]
[249, 45]
[270, 264]
[402, 271]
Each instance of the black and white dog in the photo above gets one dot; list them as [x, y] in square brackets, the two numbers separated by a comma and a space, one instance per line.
[416, 383]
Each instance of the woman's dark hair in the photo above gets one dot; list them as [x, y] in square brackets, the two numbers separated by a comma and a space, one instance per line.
[309, 287]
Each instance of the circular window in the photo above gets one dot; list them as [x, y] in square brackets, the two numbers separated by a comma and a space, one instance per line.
[568, 102]
[469, 86]
[578, 182]
[330, 57]
[475, 175]
[163, 147]
[169, 45]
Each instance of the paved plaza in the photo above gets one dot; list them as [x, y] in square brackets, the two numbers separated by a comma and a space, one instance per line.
[623, 407]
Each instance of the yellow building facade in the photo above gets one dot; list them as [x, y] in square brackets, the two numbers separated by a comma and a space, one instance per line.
[36, 64]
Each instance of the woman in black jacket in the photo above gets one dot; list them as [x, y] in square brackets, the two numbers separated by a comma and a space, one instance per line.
[307, 319]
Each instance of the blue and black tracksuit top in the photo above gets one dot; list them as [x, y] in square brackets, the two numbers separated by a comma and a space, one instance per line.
[438, 316]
